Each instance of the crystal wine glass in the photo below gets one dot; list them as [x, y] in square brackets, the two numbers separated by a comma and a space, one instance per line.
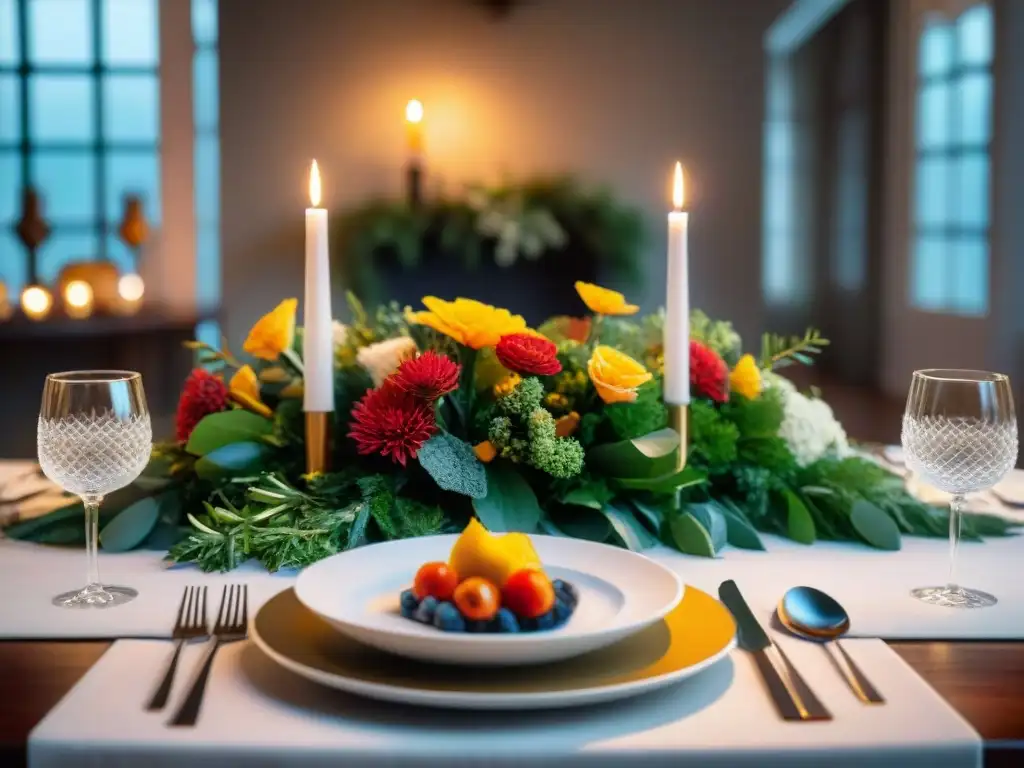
[959, 435]
[94, 437]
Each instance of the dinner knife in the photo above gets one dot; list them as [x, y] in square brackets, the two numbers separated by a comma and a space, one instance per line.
[793, 698]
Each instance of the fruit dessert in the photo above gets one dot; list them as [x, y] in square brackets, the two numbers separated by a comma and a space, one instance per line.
[489, 584]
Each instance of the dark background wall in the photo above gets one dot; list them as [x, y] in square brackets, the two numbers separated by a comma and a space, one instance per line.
[611, 90]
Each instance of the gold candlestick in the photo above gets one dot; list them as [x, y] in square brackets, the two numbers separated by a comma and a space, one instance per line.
[318, 438]
[678, 419]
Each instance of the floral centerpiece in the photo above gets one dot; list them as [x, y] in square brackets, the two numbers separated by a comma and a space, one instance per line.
[460, 409]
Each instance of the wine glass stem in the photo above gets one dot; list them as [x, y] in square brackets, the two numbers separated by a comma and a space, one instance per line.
[92, 536]
[956, 506]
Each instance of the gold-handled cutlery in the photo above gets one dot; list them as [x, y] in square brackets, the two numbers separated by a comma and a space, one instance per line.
[190, 625]
[793, 698]
[812, 615]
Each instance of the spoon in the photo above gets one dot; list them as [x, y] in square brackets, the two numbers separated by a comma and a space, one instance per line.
[812, 615]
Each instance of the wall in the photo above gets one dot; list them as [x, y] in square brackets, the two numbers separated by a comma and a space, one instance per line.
[615, 90]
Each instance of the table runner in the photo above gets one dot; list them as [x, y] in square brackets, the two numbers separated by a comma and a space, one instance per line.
[257, 714]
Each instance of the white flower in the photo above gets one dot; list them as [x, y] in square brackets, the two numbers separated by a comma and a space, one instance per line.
[809, 426]
[383, 358]
[340, 333]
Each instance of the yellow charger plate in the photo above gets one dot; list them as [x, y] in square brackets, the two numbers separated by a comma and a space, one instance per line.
[693, 636]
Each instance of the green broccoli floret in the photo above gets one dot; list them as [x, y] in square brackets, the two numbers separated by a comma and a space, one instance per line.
[500, 432]
[560, 457]
[524, 399]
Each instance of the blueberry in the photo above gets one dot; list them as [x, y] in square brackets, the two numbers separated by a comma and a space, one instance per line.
[567, 592]
[528, 625]
[507, 621]
[478, 625]
[546, 620]
[448, 619]
[409, 603]
[562, 611]
[425, 613]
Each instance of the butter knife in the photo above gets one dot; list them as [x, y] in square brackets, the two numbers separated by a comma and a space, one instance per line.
[793, 698]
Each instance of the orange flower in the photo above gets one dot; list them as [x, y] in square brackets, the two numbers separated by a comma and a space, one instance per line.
[567, 425]
[273, 333]
[244, 388]
[485, 451]
[469, 322]
[603, 301]
[616, 376]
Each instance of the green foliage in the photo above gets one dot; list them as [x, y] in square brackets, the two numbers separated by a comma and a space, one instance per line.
[651, 455]
[526, 434]
[780, 351]
[453, 465]
[760, 417]
[500, 432]
[560, 457]
[220, 429]
[510, 504]
[713, 439]
[645, 415]
[718, 335]
[523, 400]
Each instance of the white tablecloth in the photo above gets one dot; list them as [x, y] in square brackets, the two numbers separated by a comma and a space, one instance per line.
[256, 714]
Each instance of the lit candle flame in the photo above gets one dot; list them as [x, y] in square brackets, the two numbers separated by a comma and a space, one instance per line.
[677, 188]
[414, 111]
[314, 185]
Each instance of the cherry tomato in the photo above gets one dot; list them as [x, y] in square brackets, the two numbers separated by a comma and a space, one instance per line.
[435, 580]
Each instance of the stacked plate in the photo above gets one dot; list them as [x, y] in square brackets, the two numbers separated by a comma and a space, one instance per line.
[636, 629]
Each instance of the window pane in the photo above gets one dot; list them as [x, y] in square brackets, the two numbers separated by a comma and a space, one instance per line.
[10, 51]
[936, 52]
[130, 32]
[929, 274]
[971, 209]
[974, 35]
[778, 144]
[66, 181]
[204, 22]
[10, 110]
[970, 276]
[204, 90]
[10, 188]
[13, 263]
[131, 110]
[60, 31]
[132, 173]
[974, 105]
[208, 332]
[61, 248]
[119, 253]
[208, 266]
[207, 179]
[932, 191]
[933, 116]
[61, 108]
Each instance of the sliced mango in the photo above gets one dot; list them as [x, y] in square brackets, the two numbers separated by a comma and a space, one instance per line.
[478, 552]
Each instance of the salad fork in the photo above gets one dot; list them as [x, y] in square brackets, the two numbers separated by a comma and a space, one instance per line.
[190, 625]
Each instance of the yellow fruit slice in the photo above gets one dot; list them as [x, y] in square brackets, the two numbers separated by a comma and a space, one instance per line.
[478, 552]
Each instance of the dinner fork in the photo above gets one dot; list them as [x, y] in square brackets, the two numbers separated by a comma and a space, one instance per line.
[232, 624]
[190, 625]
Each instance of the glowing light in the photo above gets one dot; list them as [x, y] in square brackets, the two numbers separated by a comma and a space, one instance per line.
[78, 293]
[677, 188]
[314, 185]
[414, 111]
[131, 288]
[36, 302]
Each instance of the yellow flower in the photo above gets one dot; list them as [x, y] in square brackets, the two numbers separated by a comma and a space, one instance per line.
[485, 451]
[505, 386]
[746, 378]
[245, 390]
[469, 322]
[556, 401]
[274, 332]
[567, 425]
[603, 301]
[616, 376]
[294, 390]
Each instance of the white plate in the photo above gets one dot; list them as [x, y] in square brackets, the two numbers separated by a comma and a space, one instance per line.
[620, 594]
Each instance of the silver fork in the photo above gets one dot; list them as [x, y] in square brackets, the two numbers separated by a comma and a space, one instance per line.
[190, 625]
[232, 624]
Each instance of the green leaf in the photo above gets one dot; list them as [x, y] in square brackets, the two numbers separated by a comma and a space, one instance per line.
[690, 536]
[739, 531]
[583, 523]
[799, 523]
[232, 459]
[876, 527]
[650, 514]
[628, 528]
[131, 527]
[648, 456]
[668, 483]
[593, 495]
[453, 465]
[220, 429]
[712, 521]
[357, 532]
[510, 504]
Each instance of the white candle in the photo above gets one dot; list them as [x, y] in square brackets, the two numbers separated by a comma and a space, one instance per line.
[677, 302]
[318, 337]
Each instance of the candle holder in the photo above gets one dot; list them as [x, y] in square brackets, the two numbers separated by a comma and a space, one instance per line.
[414, 183]
[679, 420]
[318, 438]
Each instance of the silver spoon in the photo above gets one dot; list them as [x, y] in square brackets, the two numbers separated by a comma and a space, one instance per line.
[812, 615]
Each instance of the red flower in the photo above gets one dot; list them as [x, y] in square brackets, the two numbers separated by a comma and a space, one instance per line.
[427, 377]
[202, 395]
[527, 354]
[392, 423]
[709, 375]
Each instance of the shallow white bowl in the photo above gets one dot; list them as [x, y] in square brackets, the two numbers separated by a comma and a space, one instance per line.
[620, 593]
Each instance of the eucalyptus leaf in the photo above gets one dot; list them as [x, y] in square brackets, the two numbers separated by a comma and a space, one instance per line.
[220, 429]
[652, 455]
[453, 465]
[650, 514]
[510, 504]
[874, 526]
[232, 459]
[551, 529]
[357, 531]
[668, 483]
[628, 528]
[739, 531]
[711, 519]
[690, 536]
[131, 527]
[583, 523]
[799, 523]
[585, 496]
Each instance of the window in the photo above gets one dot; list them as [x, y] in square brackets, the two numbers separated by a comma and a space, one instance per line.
[79, 123]
[950, 253]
